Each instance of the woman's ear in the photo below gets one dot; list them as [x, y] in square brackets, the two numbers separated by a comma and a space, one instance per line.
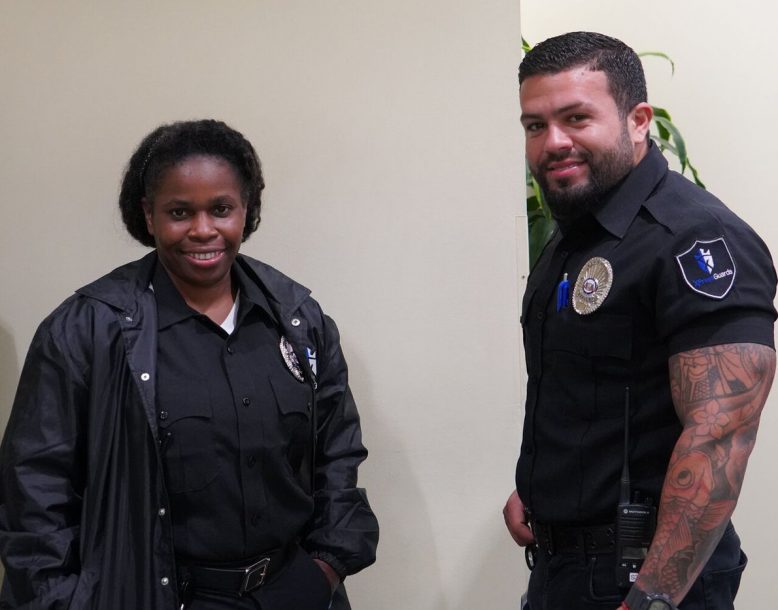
[148, 214]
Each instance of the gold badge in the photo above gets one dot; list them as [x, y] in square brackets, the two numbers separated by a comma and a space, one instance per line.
[592, 286]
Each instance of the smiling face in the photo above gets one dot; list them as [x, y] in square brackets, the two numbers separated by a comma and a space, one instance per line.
[578, 145]
[197, 217]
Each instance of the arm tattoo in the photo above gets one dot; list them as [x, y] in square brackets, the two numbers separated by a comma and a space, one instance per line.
[718, 394]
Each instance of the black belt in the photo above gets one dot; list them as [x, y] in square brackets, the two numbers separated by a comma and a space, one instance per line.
[231, 580]
[553, 539]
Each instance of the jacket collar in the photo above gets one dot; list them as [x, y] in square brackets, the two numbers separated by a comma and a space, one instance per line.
[121, 287]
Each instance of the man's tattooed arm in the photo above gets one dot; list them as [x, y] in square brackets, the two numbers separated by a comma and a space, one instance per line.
[718, 394]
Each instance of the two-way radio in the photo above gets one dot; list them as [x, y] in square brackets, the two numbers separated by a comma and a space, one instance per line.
[635, 520]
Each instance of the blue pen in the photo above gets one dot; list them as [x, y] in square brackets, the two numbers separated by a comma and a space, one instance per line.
[562, 294]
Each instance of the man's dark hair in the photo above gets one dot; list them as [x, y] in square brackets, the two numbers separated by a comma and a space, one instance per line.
[169, 145]
[598, 52]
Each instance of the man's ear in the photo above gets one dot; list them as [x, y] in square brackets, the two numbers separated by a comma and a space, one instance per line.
[639, 122]
[147, 214]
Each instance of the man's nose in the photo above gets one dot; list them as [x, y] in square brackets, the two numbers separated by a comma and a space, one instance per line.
[557, 139]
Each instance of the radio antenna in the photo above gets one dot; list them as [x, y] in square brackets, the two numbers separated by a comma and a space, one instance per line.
[625, 483]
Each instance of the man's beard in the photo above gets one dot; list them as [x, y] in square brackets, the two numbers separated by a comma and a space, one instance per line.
[568, 203]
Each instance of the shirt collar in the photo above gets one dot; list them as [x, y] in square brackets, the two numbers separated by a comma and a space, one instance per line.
[624, 202]
[172, 308]
[250, 292]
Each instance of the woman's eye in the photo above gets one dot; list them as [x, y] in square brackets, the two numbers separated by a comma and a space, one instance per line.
[178, 213]
[221, 210]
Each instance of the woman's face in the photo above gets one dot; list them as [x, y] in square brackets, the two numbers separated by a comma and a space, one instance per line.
[196, 218]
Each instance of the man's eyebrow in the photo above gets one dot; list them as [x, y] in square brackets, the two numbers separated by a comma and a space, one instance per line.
[557, 111]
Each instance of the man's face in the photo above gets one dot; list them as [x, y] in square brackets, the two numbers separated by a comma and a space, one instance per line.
[578, 146]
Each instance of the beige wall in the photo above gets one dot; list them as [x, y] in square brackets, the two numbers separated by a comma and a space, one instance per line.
[390, 140]
[722, 97]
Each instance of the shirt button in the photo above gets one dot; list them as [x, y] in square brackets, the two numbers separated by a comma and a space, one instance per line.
[540, 315]
[246, 401]
[164, 581]
[163, 415]
[161, 512]
[295, 321]
[128, 318]
[251, 461]
[145, 376]
[230, 350]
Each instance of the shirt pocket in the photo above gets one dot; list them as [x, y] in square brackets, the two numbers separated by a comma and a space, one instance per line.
[294, 401]
[188, 438]
[590, 358]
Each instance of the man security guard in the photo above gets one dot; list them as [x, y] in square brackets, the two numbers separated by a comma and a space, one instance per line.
[649, 312]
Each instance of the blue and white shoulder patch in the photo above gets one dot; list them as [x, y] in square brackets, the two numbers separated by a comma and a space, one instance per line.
[707, 267]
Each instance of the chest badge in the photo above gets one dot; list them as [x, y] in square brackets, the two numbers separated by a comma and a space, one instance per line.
[592, 286]
[290, 359]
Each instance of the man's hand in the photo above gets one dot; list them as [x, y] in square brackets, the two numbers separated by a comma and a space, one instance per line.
[331, 575]
[516, 520]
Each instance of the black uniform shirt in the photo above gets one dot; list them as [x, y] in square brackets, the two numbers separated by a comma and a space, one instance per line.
[686, 273]
[234, 427]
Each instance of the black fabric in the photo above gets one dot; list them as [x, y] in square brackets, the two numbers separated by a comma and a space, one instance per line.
[588, 582]
[231, 579]
[235, 427]
[301, 585]
[84, 508]
[579, 365]
[554, 539]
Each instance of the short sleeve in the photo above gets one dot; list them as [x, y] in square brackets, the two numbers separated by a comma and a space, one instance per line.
[716, 286]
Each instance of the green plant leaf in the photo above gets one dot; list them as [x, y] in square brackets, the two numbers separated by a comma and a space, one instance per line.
[695, 175]
[665, 145]
[540, 231]
[676, 137]
[661, 112]
[662, 55]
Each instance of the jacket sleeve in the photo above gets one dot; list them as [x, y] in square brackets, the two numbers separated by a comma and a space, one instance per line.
[344, 532]
[41, 480]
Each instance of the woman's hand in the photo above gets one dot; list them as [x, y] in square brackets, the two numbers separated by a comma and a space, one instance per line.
[331, 575]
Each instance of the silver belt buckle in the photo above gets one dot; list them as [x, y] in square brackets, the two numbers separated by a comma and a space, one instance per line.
[255, 575]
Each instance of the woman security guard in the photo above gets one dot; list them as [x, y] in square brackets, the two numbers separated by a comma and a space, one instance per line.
[183, 434]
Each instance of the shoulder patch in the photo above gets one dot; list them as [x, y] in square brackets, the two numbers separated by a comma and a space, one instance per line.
[707, 267]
